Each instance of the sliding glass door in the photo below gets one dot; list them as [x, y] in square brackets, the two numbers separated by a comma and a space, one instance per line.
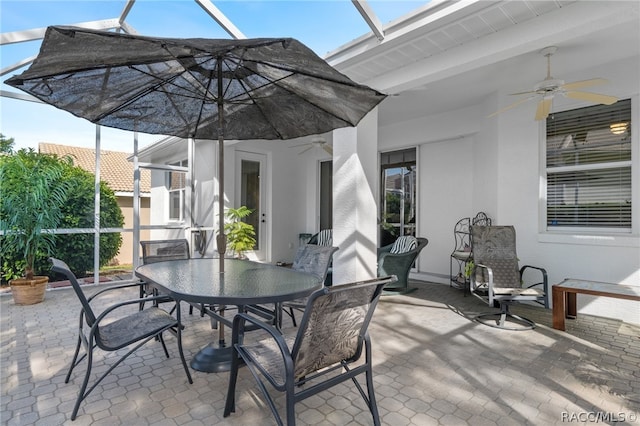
[398, 195]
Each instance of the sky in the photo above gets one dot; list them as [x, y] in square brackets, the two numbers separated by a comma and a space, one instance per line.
[322, 25]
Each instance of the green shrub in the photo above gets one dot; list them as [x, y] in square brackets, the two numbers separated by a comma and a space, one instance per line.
[78, 212]
[33, 192]
[77, 249]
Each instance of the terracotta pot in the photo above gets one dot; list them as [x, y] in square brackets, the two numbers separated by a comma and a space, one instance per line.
[28, 292]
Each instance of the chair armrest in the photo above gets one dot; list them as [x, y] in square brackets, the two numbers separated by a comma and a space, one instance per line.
[115, 287]
[475, 285]
[238, 328]
[384, 249]
[544, 283]
[112, 308]
[400, 260]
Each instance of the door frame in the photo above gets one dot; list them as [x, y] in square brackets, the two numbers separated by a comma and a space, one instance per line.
[262, 253]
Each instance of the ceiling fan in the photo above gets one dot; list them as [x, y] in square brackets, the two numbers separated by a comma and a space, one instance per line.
[549, 87]
[320, 143]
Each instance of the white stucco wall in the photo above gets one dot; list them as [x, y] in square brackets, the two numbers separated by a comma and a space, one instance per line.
[468, 163]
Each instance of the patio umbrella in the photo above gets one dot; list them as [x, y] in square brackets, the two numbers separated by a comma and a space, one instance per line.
[268, 88]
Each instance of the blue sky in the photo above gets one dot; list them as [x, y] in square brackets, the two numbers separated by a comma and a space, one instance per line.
[321, 25]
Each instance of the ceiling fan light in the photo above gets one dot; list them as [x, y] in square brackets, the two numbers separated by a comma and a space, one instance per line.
[618, 128]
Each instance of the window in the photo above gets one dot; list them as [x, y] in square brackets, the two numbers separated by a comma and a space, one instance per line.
[176, 182]
[398, 195]
[588, 168]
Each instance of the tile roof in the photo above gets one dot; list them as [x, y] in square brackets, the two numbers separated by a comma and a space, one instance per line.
[115, 169]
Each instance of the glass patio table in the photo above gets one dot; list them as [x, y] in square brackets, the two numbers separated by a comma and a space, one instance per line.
[243, 282]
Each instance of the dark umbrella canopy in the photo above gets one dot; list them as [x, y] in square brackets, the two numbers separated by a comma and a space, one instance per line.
[270, 88]
[195, 88]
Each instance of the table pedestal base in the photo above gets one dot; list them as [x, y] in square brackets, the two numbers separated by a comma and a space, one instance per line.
[213, 359]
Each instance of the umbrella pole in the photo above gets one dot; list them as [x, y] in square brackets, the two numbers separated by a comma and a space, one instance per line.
[222, 238]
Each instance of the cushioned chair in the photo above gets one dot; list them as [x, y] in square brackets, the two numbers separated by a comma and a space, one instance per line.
[324, 238]
[397, 259]
[497, 280]
[111, 331]
[326, 350]
[314, 260]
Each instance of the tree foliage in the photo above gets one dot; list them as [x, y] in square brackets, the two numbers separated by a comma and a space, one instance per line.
[33, 193]
[77, 211]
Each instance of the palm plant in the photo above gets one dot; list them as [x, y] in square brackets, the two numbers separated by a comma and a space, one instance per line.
[33, 194]
[240, 235]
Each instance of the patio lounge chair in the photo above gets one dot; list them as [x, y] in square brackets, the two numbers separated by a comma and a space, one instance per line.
[397, 259]
[326, 350]
[497, 280]
[110, 335]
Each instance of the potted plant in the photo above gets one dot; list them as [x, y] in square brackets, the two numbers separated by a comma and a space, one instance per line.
[33, 193]
[240, 235]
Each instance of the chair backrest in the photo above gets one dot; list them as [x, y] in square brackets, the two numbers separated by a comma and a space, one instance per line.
[461, 234]
[404, 244]
[495, 247]
[314, 259]
[61, 268]
[323, 238]
[161, 250]
[481, 219]
[334, 325]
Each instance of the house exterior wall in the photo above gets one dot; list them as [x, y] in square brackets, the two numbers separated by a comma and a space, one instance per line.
[125, 255]
[469, 163]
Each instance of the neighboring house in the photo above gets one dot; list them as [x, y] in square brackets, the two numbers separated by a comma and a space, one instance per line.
[449, 68]
[117, 172]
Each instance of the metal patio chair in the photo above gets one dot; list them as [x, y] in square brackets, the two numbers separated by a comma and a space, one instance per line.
[326, 350]
[312, 259]
[111, 331]
[497, 280]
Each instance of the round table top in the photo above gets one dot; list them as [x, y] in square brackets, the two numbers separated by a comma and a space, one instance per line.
[243, 282]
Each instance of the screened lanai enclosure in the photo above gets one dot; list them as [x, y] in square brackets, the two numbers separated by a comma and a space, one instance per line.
[524, 110]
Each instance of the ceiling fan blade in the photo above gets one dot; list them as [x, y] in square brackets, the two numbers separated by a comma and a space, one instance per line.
[592, 97]
[528, 92]
[584, 83]
[513, 105]
[327, 149]
[305, 150]
[544, 106]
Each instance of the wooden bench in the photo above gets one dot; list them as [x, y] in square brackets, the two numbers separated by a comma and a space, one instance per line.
[564, 296]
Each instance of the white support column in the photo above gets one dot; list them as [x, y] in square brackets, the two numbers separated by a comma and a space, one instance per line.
[96, 211]
[136, 204]
[355, 164]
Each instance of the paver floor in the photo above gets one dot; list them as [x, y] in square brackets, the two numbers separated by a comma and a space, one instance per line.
[433, 365]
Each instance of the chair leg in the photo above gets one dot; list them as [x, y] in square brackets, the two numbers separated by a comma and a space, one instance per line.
[180, 350]
[500, 319]
[230, 404]
[166, 352]
[293, 316]
[81, 394]
[291, 405]
[75, 360]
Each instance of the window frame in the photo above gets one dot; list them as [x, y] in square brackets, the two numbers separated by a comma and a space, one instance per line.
[603, 236]
[180, 191]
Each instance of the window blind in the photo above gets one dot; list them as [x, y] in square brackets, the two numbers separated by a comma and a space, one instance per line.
[589, 167]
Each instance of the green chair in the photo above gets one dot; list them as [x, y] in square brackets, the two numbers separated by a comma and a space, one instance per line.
[397, 259]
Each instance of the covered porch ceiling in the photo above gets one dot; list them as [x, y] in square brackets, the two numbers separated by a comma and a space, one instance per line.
[453, 54]
[449, 54]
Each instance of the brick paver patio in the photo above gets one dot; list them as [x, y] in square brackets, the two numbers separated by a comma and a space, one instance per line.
[433, 365]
